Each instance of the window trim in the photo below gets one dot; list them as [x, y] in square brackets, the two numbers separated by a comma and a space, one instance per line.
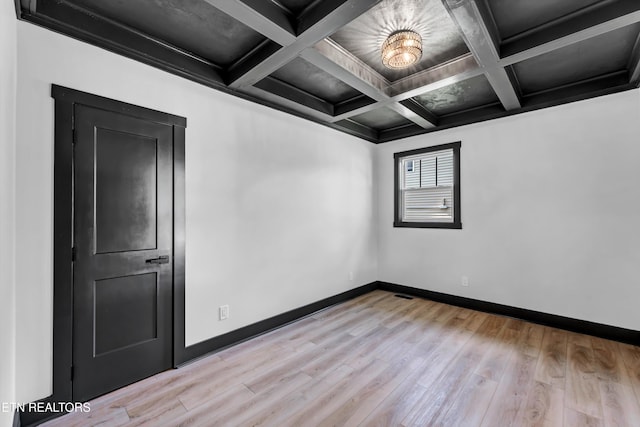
[397, 157]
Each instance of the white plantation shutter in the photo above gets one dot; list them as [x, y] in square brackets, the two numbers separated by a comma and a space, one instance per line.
[427, 187]
[445, 168]
[428, 171]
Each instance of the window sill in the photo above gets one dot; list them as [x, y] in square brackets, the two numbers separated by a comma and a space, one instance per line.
[451, 225]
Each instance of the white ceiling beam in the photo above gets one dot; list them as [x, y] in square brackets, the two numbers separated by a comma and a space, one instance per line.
[480, 39]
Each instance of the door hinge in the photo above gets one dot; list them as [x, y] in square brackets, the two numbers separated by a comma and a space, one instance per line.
[73, 254]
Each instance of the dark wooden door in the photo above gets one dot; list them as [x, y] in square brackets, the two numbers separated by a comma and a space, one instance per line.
[123, 207]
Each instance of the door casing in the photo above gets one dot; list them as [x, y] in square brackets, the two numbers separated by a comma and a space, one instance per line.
[66, 101]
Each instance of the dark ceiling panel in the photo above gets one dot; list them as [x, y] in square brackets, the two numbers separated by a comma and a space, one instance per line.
[276, 53]
[192, 25]
[593, 57]
[295, 6]
[441, 39]
[311, 79]
[464, 95]
[515, 16]
[382, 118]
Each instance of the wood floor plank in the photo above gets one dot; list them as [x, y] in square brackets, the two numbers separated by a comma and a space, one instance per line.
[278, 335]
[492, 326]
[156, 384]
[512, 392]
[324, 405]
[266, 378]
[579, 339]
[259, 403]
[552, 364]
[516, 324]
[396, 406]
[466, 312]
[544, 407]
[286, 407]
[620, 407]
[445, 389]
[494, 363]
[445, 313]
[530, 341]
[364, 400]
[442, 356]
[157, 414]
[215, 401]
[380, 360]
[321, 327]
[406, 312]
[258, 344]
[238, 370]
[231, 395]
[345, 326]
[573, 418]
[471, 404]
[376, 341]
[331, 327]
[187, 389]
[472, 322]
[608, 361]
[582, 388]
[341, 353]
[376, 319]
[166, 388]
[631, 358]
[403, 341]
[329, 317]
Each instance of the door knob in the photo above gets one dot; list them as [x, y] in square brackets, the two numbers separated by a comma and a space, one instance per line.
[160, 260]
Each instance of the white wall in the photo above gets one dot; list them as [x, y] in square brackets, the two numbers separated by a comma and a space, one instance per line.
[550, 206]
[279, 210]
[8, 42]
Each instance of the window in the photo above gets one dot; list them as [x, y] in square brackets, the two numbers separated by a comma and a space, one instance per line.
[427, 187]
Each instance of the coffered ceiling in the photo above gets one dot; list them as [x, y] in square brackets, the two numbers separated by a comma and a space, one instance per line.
[320, 59]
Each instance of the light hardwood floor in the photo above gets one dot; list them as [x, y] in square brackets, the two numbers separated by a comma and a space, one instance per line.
[380, 360]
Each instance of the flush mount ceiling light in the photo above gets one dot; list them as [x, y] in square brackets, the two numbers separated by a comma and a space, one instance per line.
[401, 49]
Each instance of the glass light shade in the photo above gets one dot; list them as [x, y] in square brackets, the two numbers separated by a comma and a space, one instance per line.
[401, 49]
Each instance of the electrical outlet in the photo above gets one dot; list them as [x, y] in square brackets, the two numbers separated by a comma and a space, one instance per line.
[465, 281]
[224, 312]
[351, 276]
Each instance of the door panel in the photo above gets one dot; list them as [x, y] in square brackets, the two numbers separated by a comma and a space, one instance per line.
[136, 298]
[123, 224]
[125, 186]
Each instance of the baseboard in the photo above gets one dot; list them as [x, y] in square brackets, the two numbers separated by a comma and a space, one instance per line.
[614, 333]
[237, 336]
